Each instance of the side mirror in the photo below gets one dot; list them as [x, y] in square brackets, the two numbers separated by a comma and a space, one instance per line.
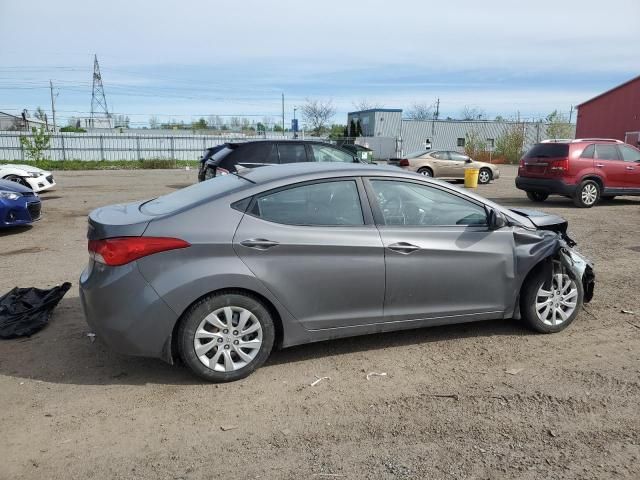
[468, 160]
[495, 219]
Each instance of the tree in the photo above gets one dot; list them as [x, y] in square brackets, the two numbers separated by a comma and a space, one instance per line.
[472, 113]
[316, 114]
[509, 144]
[420, 111]
[37, 144]
[235, 123]
[154, 122]
[73, 129]
[73, 122]
[337, 131]
[39, 114]
[353, 130]
[558, 126]
[260, 128]
[365, 104]
[358, 129]
[201, 124]
[474, 145]
[120, 121]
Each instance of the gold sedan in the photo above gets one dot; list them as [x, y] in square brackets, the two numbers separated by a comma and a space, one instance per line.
[446, 164]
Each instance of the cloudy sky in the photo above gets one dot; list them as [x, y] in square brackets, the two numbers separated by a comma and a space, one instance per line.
[196, 58]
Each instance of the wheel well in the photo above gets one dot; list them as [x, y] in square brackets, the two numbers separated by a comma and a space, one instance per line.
[426, 168]
[277, 320]
[596, 179]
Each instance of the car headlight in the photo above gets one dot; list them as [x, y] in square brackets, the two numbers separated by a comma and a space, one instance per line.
[9, 195]
[34, 174]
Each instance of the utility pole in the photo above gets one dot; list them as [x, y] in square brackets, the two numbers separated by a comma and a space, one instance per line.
[570, 113]
[53, 106]
[283, 115]
[437, 114]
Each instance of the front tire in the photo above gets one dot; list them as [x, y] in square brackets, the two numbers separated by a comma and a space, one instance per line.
[426, 171]
[587, 194]
[484, 176]
[225, 336]
[549, 305]
[537, 196]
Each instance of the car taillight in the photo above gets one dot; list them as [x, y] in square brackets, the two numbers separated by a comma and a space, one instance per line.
[221, 171]
[559, 166]
[403, 163]
[122, 250]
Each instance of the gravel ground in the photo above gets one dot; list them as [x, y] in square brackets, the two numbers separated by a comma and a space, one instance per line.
[487, 400]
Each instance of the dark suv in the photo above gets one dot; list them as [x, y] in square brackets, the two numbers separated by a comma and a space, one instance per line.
[226, 158]
[585, 170]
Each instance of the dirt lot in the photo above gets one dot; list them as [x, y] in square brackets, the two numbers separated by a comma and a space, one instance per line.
[447, 408]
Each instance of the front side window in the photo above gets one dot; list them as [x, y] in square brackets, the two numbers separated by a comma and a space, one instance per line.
[324, 204]
[413, 204]
[325, 153]
[457, 157]
[607, 152]
[629, 154]
[292, 152]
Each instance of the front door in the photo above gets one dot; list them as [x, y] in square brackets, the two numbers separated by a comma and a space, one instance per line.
[314, 249]
[607, 162]
[631, 157]
[442, 262]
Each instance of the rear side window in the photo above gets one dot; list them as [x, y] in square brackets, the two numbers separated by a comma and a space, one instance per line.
[322, 204]
[607, 152]
[548, 150]
[208, 190]
[261, 152]
[325, 153]
[440, 155]
[588, 152]
[629, 154]
[292, 152]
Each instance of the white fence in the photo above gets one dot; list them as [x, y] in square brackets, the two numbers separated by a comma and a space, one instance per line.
[125, 146]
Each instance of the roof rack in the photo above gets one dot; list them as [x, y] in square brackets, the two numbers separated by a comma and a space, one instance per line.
[576, 140]
[614, 140]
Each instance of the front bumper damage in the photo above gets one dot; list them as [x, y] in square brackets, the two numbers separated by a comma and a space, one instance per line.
[581, 269]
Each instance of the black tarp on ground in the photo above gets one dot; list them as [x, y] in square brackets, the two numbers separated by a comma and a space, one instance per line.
[24, 311]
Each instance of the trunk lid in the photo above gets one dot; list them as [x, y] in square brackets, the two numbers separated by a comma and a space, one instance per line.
[124, 220]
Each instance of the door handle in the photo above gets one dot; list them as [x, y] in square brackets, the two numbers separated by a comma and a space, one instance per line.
[259, 243]
[630, 168]
[403, 247]
[599, 165]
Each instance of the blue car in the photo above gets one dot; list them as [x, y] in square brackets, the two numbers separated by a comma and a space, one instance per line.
[19, 205]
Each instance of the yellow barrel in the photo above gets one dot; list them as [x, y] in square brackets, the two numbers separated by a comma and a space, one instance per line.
[471, 177]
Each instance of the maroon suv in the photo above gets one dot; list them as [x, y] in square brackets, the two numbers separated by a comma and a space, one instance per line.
[585, 170]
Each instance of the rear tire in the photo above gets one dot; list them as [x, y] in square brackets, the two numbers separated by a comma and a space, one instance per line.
[537, 196]
[210, 336]
[426, 171]
[543, 308]
[484, 176]
[587, 194]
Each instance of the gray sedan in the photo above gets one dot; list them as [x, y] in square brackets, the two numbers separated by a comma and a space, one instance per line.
[221, 272]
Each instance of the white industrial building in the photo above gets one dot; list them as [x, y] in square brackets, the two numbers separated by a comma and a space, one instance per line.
[388, 134]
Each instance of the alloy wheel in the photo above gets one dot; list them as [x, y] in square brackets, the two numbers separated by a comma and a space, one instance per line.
[228, 339]
[556, 305]
[589, 194]
[425, 171]
[484, 176]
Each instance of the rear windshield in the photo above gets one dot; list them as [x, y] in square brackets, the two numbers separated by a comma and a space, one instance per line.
[207, 190]
[548, 150]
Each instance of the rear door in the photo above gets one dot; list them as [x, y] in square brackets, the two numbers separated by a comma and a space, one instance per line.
[316, 249]
[442, 262]
[631, 157]
[609, 164]
[441, 164]
[458, 162]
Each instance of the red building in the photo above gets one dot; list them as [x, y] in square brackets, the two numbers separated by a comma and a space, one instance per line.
[612, 114]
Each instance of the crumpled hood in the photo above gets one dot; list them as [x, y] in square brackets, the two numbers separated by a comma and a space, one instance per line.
[543, 220]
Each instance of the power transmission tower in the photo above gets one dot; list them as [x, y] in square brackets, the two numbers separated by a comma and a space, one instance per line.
[98, 100]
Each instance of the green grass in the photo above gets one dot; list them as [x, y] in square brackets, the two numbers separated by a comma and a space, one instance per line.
[155, 163]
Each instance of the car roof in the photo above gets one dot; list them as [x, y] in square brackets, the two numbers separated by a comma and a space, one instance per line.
[317, 170]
